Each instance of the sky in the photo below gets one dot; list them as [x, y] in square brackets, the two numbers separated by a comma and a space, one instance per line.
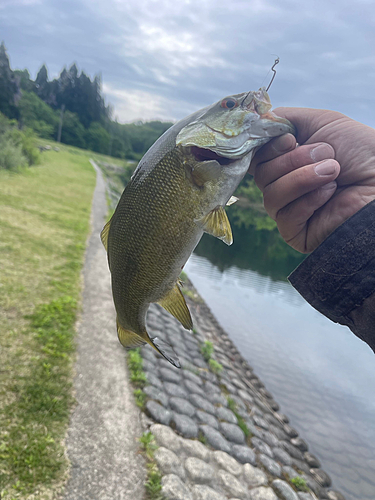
[165, 59]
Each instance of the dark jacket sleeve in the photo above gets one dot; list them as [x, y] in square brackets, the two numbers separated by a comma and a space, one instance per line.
[338, 278]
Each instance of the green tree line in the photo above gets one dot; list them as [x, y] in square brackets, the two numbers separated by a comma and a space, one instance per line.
[87, 124]
[86, 120]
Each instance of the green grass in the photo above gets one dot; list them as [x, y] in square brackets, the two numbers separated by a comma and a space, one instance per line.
[300, 483]
[44, 222]
[202, 439]
[215, 366]
[207, 349]
[241, 422]
[148, 444]
[140, 398]
[153, 483]
[137, 375]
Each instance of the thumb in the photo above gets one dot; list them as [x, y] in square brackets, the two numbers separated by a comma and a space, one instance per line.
[307, 120]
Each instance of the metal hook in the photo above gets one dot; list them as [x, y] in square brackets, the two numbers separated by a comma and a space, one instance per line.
[277, 60]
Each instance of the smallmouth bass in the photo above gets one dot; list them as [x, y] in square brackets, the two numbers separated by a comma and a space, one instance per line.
[177, 192]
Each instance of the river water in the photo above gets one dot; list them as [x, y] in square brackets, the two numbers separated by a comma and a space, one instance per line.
[322, 376]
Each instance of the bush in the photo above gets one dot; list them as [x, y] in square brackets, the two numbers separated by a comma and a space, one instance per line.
[26, 140]
[11, 157]
[17, 148]
[43, 129]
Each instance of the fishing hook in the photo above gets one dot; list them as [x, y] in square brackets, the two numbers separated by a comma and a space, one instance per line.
[277, 60]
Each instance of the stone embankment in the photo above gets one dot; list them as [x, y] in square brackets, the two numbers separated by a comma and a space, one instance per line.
[221, 436]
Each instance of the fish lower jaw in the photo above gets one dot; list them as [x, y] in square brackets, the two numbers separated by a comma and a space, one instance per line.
[202, 154]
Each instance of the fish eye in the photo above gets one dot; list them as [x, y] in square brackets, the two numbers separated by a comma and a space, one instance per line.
[229, 103]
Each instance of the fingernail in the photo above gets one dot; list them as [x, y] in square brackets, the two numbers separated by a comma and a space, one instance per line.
[329, 186]
[322, 152]
[327, 167]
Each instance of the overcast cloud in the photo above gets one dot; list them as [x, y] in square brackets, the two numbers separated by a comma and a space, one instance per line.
[164, 59]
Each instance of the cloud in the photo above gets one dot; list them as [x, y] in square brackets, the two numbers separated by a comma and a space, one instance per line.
[135, 105]
[18, 3]
[187, 54]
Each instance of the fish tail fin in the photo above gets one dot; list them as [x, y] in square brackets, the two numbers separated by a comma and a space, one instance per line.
[165, 350]
[130, 340]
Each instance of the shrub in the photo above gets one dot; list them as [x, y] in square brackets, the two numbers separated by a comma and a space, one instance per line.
[207, 349]
[11, 157]
[300, 483]
[17, 148]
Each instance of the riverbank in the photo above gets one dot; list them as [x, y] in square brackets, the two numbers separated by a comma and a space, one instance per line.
[219, 431]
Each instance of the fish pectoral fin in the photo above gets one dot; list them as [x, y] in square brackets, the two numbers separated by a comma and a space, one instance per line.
[128, 338]
[231, 200]
[166, 351]
[174, 303]
[104, 234]
[205, 171]
[217, 224]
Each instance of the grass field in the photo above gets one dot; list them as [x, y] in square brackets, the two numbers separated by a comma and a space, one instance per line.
[44, 223]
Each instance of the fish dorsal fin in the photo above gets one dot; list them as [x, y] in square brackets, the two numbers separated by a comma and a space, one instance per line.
[104, 234]
[166, 351]
[174, 303]
[128, 338]
[217, 224]
[205, 171]
[231, 200]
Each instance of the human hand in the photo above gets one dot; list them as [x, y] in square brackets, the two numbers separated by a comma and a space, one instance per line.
[311, 189]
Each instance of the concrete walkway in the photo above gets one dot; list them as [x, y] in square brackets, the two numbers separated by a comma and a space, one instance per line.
[102, 438]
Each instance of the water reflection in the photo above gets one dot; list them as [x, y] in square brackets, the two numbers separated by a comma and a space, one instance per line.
[262, 251]
[322, 376]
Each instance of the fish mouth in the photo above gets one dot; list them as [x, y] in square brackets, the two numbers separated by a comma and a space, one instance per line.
[270, 116]
[201, 154]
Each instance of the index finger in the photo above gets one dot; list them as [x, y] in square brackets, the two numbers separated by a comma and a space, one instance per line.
[276, 147]
[309, 154]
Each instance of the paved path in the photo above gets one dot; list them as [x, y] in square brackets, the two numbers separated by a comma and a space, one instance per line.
[102, 439]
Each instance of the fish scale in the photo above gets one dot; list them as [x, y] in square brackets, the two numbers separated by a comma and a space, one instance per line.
[178, 191]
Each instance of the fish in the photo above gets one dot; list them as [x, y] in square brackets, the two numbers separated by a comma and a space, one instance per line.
[178, 191]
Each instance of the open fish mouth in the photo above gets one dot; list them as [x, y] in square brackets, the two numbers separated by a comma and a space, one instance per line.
[202, 154]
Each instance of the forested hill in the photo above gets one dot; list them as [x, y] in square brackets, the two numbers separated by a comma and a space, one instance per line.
[87, 119]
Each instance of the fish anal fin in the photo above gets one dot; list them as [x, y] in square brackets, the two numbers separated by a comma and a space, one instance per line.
[174, 303]
[128, 338]
[104, 234]
[217, 224]
[166, 351]
[205, 171]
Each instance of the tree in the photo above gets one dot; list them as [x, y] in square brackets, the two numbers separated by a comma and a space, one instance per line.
[42, 85]
[97, 138]
[9, 89]
[23, 80]
[73, 132]
[38, 115]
